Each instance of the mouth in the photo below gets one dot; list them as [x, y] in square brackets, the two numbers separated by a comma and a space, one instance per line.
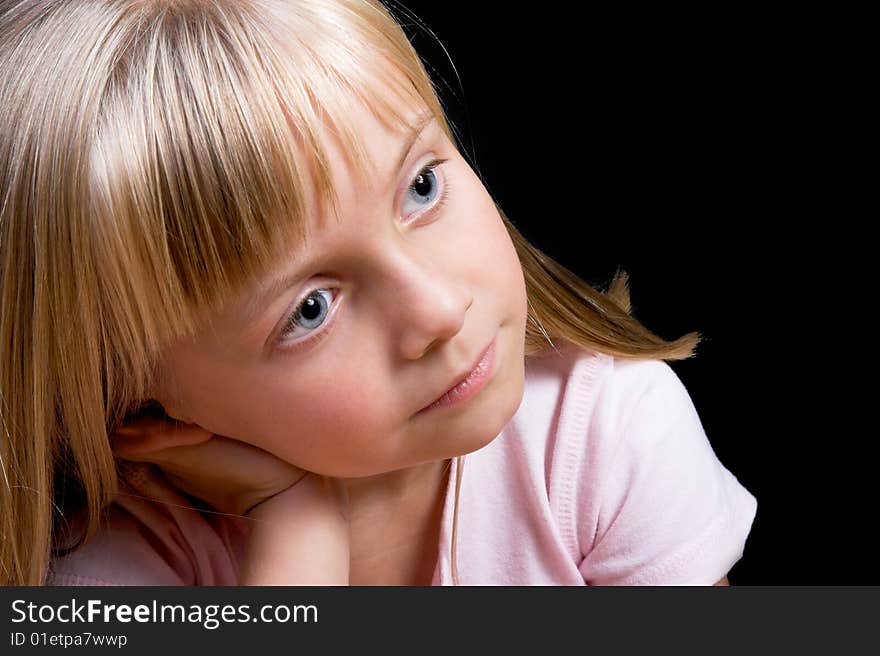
[469, 383]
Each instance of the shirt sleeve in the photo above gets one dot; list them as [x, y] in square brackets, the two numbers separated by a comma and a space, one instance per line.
[152, 535]
[669, 512]
[123, 553]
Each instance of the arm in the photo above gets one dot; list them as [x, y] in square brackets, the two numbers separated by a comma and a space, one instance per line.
[299, 531]
[723, 581]
[299, 537]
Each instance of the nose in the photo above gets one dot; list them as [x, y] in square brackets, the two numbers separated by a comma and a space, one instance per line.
[431, 305]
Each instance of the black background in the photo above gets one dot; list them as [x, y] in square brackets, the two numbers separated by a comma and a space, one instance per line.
[681, 148]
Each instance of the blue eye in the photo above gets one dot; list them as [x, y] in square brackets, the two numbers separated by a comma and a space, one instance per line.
[309, 314]
[424, 188]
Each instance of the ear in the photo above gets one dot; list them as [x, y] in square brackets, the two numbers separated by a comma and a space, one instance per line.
[142, 437]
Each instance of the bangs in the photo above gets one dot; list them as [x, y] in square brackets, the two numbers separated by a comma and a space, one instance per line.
[208, 143]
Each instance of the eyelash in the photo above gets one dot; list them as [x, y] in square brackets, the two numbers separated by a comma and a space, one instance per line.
[430, 167]
[443, 196]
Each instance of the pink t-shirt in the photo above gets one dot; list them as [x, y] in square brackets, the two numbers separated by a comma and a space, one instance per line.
[604, 476]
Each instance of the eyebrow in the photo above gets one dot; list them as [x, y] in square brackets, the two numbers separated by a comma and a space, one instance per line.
[271, 290]
[413, 133]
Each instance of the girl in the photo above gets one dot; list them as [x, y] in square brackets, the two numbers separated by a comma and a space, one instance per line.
[256, 308]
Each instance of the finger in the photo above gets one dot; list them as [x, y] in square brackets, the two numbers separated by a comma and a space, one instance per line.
[145, 437]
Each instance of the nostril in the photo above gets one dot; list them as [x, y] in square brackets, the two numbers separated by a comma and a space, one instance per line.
[430, 346]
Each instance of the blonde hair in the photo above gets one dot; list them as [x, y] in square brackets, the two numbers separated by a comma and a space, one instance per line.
[147, 152]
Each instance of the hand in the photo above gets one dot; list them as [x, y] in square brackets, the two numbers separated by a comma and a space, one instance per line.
[301, 531]
[231, 475]
[300, 536]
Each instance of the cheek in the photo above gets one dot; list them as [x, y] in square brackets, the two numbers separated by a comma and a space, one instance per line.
[335, 427]
[494, 245]
[484, 226]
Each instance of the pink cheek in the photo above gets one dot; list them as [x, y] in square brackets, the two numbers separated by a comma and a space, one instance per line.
[358, 419]
[343, 419]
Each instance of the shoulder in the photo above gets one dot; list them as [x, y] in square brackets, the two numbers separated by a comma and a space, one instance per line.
[556, 452]
[589, 375]
[577, 406]
[612, 453]
[633, 393]
[609, 409]
[151, 535]
[124, 551]
[575, 395]
[583, 412]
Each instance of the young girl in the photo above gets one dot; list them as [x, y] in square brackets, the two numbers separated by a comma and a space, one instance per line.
[262, 323]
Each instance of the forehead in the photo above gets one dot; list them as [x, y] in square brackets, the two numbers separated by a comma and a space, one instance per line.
[373, 168]
[347, 135]
[359, 149]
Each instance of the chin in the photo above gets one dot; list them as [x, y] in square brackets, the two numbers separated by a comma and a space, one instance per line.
[493, 419]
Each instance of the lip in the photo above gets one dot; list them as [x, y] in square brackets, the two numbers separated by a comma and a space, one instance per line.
[470, 383]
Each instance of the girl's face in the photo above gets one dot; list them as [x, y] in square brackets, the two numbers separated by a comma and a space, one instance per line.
[327, 360]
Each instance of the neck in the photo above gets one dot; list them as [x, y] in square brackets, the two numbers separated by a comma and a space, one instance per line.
[394, 487]
[395, 524]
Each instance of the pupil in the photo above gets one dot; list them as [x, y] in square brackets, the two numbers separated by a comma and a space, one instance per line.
[422, 185]
[310, 307]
